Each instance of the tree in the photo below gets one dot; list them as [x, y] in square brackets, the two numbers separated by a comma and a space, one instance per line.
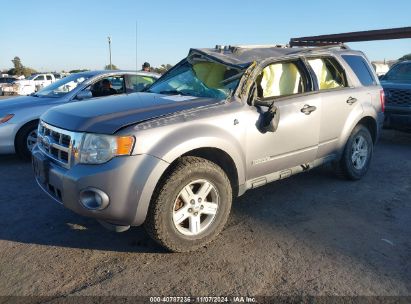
[162, 68]
[112, 67]
[405, 57]
[18, 66]
[78, 71]
[19, 69]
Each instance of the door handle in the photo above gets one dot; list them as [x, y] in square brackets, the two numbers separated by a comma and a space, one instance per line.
[307, 109]
[351, 100]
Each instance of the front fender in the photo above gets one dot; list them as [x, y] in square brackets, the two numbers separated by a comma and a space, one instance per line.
[170, 145]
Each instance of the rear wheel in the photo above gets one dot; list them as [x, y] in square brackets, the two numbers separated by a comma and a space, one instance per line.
[26, 138]
[357, 154]
[191, 206]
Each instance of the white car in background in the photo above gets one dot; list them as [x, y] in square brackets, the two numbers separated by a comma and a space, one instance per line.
[29, 85]
[19, 116]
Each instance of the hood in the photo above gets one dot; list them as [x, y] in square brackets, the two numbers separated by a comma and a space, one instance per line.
[395, 85]
[10, 104]
[108, 115]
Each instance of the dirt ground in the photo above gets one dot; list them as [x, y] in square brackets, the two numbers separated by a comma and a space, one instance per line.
[311, 234]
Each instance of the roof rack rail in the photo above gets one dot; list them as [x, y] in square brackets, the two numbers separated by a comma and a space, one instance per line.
[261, 46]
[334, 39]
[325, 47]
[236, 48]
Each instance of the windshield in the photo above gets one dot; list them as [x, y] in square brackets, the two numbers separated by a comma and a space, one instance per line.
[200, 79]
[62, 86]
[31, 77]
[400, 72]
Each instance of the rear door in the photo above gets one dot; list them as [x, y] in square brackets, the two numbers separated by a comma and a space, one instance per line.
[339, 100]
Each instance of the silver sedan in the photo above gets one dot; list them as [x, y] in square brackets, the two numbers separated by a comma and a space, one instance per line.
[19, 116]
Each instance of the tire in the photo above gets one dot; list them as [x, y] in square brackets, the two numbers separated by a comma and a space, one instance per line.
[169, 220]
[22, 137]
[356, 158]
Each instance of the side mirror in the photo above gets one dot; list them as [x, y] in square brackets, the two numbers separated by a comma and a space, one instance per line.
[269, 120]
[86, 94]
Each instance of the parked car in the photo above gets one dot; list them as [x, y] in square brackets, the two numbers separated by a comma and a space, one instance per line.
[397, 88]
[380, 68]
[220, 122]
[59, 76]
[5, 81]
[29, 85]
[19, 116]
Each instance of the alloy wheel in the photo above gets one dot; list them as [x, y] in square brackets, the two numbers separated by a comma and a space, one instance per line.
[195, 207]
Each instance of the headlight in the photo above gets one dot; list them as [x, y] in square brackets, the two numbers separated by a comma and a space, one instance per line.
[98, 149]
[6, 118]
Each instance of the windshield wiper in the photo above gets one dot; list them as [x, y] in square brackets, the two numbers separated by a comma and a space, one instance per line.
[173, 92]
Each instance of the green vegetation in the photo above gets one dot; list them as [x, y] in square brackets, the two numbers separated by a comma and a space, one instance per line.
[162, 68]
[78, 71]
[112, 67]
[405, 57]
[19, 69]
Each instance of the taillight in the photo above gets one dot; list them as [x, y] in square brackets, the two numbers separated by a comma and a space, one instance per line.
[382, 100]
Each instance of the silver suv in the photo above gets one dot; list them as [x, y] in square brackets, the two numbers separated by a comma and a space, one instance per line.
[222, 121]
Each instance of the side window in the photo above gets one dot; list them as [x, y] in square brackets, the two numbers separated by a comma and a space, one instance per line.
[48, 77]
[40, 77]
[280, 79]
[329, 73]
[111, 85]
[361, 69]
[136, 83]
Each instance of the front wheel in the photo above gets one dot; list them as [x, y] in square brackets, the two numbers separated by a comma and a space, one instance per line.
[357, 154]
[190, 206]
[26, 138]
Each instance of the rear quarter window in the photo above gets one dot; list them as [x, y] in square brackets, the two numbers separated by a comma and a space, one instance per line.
[361, 69]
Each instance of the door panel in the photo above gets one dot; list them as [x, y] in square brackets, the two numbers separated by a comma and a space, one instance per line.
[295, 141]
[337, 106]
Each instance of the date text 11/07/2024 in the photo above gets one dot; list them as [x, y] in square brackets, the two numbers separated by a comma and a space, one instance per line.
[222, 299]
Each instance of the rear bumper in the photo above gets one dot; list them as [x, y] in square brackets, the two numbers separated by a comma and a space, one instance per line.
[128, 182]
[380, 123]
[398, 117]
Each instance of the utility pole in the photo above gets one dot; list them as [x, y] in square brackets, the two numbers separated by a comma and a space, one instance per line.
[109, 49]
[136, 45]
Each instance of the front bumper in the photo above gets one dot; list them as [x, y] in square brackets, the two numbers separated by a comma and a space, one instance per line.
[7, 135]
[128, 182]
[398, 117]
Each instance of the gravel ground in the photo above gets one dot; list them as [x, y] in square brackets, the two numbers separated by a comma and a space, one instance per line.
[311, 234]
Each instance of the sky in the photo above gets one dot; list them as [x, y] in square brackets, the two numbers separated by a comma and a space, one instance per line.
[66, 35]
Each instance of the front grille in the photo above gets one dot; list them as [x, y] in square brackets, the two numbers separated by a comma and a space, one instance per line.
[56, 143]
[397, 97]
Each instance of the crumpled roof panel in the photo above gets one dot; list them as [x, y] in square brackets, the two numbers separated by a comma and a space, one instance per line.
[244, 56]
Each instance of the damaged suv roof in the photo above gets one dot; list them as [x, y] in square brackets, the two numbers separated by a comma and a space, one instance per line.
[242, 56]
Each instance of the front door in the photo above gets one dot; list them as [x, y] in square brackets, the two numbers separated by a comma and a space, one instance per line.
[295, 141]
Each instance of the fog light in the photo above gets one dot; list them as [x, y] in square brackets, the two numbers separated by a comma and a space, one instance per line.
[94, 199]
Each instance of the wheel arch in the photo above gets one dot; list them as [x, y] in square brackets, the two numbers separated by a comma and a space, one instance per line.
[222, 159]
[371, 124]
[36, 120]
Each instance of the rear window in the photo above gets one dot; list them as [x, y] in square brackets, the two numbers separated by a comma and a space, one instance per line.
[360, 68]
[329, 73]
